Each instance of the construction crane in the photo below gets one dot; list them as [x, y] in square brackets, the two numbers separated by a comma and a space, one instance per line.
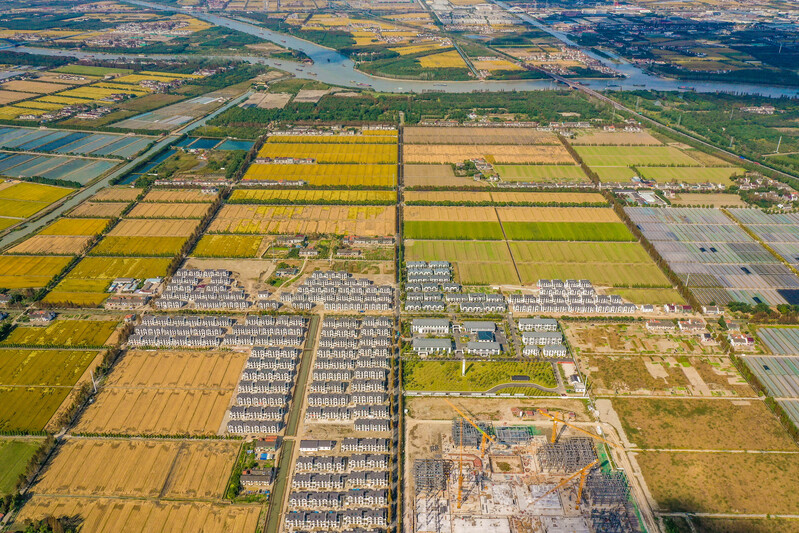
[583, 473]
[556, 421]
[486, 436]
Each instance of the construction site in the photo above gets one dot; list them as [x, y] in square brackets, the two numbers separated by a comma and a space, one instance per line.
[520, 479]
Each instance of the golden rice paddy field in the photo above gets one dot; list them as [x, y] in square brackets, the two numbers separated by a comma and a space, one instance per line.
[116, 194]
[99, 209]
[311, 196]
[168, 210]
[22, 200]
[104, 515]
[433, 135]
[631, 138]
[22, 272]
[76, 226]
[178, 195]
[451, 59]
[498, 153]
[327, 175]
[154, 228]
[504, 197]
[165, 392]
[333, 153]
[339, 220]
[52, 244]
[245, 246]
[139, 468]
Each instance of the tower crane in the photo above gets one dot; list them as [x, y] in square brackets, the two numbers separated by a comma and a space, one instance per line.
[583, 473]
[486, 437]
[556, 421]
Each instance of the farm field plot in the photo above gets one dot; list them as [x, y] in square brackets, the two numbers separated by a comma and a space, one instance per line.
[620, 138]
[690, 174]
[612, 275]
[624, 156]
[541, 173]
[453, 197]
[14, 457]
[139, 468]
[168, 210]
[76, 226]
[436, 176]
[340, 220]
[780, 341]
[557, 214]
[425, 135]
[91, 209]
[480, 376]
[778, 374]
[333, 153]
[475, 262]
[29, 409]
[229, 246]
[139, 246]
[451, 214]
[22, 200]
[567, 231]
[51, 368]
[486, 273]
[178, 195]
[102, 515]
[331, 175]
[116, 194]
[501, 198]
[379, 137]
[52, 244]
[722, 482]
[436, 229]
[450, 59]
[580, 252]
[701, 424]
[614, 174]
[78, 333]
[711, 199]
[650, 296]
[154, 228]
[498, 153]
[173, 116]
[178, 369]
[20, 272]
[281, 196]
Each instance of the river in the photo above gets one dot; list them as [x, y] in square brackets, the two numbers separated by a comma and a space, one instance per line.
[336, 69]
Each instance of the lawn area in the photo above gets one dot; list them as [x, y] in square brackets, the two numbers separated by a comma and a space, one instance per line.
[78, 333]
[722, 482]
[14, 457]
[701, 424]
[480, 376]
[567, 231]
[436, 229]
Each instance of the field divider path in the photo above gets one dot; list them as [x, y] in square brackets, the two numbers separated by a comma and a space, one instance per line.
[510, 252]
[761, 242]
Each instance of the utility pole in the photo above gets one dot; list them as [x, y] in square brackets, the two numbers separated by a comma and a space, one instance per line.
[637, 102]
[679, 120]
[778, 144]
[732, 139]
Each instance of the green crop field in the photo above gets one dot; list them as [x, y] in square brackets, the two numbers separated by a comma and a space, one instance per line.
[479, 273]
[690, 174]
[426, 229]
[614, 275]
[139, 246]
[579, 252]
[14, 457]
[623, 156]
[541, 173]
[43, 367]
[650, 296]
[480, 376]
[63, 333]
[614, 174]
[228, 246]
[456, 251]
[567, 231]
[29, 408]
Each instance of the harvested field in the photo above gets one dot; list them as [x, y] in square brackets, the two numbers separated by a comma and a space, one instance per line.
[144, 516]
[18, 272]
[722, 482]
[620, 138]
[99, 209]
[437, 176]
[76, 226]
[139, 246]
[282, 196]
[541, 173]
[500, 153]
[541, 198]
[450, 214]
[169, 210]
[8, 97]
[333, 153]
[178, 195]
[52, 244]
[327, 175]
[712, 199]
[26, 86]
[701, 424]
[139, 468]
[454, 197]
[229, 246]
[340, 220]
[424, 135]
[178, 369]
[154, 228]
[116, 194]
[68, 333]
[720, 175]
[623, 156]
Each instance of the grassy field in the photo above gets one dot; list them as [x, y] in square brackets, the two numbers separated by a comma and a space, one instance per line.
[14, 457]
[327, 175]
[613, 275]
[614, 174]
[418, 229]
[579, 252]
[541, 173]
[722, 482]
[622, 156]
[17, 271]
[76, 333]
[486, 273]
[228, 246]
[690, 174]
[139, 246]
[701, 424]
[480, 376]
[567, 231]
